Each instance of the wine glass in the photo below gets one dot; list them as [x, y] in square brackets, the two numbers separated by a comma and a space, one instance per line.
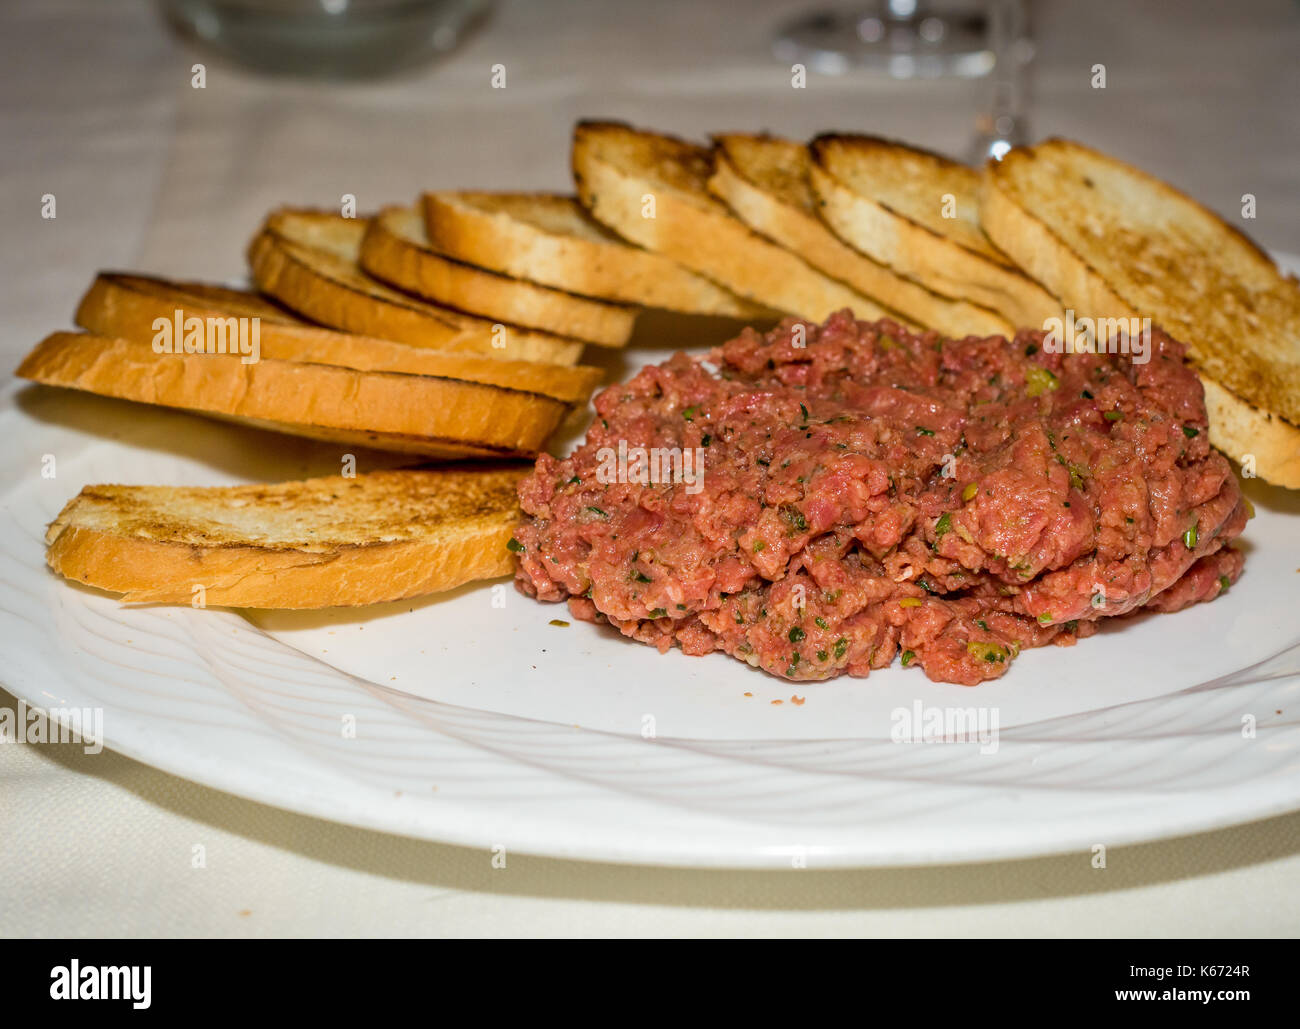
[906, 38]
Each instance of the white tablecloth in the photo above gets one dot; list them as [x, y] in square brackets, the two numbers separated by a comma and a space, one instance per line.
[150, 173]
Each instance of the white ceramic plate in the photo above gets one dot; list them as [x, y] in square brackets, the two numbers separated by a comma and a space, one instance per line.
[468, 718]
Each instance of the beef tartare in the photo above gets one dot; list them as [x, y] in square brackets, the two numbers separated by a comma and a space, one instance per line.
[825, 499]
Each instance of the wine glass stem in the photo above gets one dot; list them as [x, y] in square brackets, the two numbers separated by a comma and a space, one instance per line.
[1006, 104]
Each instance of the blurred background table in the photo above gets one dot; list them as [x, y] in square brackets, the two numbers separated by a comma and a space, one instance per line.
[97, 108]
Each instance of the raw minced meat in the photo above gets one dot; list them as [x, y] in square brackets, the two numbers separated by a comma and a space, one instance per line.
[865, 493]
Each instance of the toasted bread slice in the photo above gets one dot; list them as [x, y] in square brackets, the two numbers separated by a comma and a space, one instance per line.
[653, 190]
[1114, 242]
[764, 180]
[888, 200]
[119, 304]
[396, 250]
[309, 262]
[327, 542]
[550, 239]
[418, 414]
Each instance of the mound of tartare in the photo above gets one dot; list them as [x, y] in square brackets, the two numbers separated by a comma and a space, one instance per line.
[824, 499]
